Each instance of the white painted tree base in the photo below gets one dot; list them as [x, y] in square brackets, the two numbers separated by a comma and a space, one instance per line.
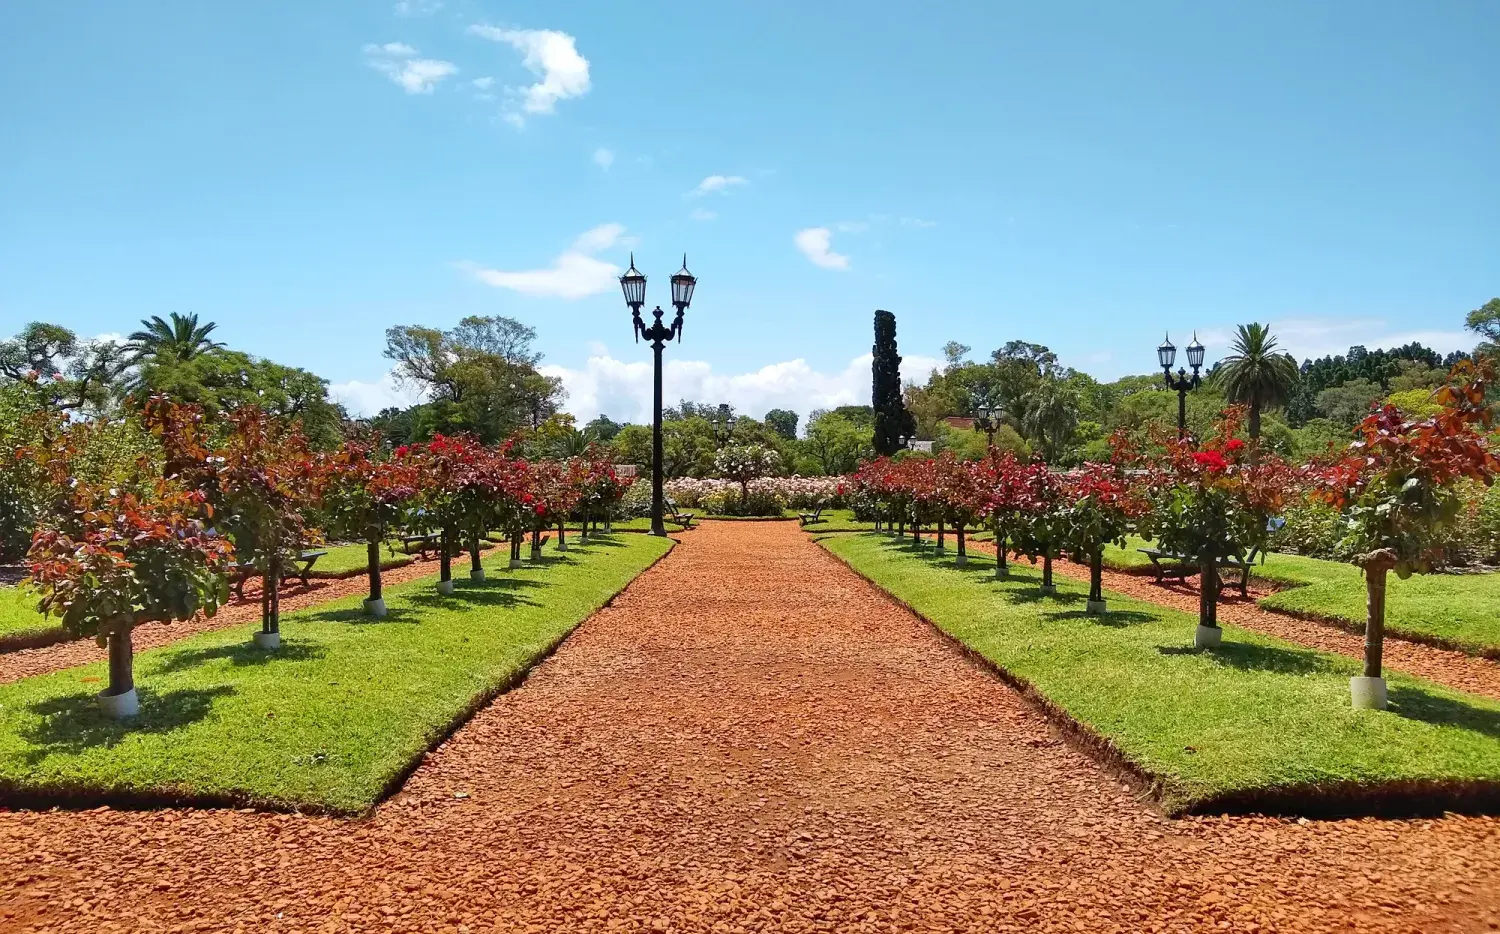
[516, 563]
[1367, 693]
[961, 561]
[119, 706]
[608, 527]
[1048, 590]
[1002, 572]
[477, 575]
[267, 640]
[1208, 637]
[375, 608]
[445, 587]
[562, 546]
[1096, 607]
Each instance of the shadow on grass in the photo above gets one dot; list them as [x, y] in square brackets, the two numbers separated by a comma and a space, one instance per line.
[1117, 619]
[241, 654]
[73, 723]
[1415, 703]
[493, 592]
[1251, 657]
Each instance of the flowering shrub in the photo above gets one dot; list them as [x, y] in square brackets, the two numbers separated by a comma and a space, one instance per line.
[745, 462]
[1099, 505]
[364, 499]
[766, 496]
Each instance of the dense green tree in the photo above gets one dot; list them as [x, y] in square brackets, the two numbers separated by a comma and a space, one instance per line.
[1485, 321]
[223, 381]
[836, 443]
[479, 377]
[71, 375]
[1049, 417]
[1348, 403]
[602, 428]
[892, 420]
[783, 422]
[1256, 374]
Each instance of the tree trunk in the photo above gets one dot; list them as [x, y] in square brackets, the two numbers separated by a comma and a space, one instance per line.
[1001, 566]
[1208, 593]
[1047, 569]
[962, 552]
[1374, 620]
[372, 554]
[1254, 419]
[940, 535]
[536, 542]
[1096, 576]
[474, 564]
[515, 546]
[270, 606]
[562, 531]
[445, 556]
[121, 660]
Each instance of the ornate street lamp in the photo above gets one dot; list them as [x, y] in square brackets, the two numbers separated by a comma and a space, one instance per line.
[633, 284]
[989, 421]
[1182, 383]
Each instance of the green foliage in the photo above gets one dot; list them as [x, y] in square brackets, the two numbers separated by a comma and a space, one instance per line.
[892, 420]
[1255, 374]
[783, 422]
[1348, 403]
[836, 444]
[1254, 715]
[225, 381]
[1485, 321]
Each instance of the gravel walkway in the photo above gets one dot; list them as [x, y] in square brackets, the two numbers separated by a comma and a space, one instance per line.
[23, 663]
[750, 738]
[1443, 666]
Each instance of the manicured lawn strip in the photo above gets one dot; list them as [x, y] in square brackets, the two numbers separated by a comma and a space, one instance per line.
[349, 560]
[333, 720]
[839, 520]
[20, 622]
[1460, 611]
[1256, 724]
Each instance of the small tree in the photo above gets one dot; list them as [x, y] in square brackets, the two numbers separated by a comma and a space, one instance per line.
[366, 500]
[263, 486]
[1000, 475]
[963, 497]
[743, 463]
[1040, 528]
[1209, 504]
[1099, 506]
[1396, 488]
[442, 468]
[118, 561]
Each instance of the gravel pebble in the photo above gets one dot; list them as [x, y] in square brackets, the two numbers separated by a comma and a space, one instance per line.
[749, 738]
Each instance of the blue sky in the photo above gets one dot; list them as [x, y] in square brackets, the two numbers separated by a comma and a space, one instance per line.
[1085, 175]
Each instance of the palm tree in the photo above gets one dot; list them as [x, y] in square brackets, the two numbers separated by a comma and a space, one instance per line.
[183, 338]
[1049, 416]
[1256, 374]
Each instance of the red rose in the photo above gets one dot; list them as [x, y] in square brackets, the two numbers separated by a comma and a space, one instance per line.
[1234, 444]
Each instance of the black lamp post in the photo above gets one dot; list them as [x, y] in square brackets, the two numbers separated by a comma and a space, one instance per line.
[633, 284]
[1182, 383]
[989, 422]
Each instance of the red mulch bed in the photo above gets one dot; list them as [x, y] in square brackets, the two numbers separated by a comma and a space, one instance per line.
[750, 738]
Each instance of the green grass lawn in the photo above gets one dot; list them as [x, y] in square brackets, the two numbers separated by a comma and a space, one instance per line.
[19, 619]
[1458, 610]
[348, 560]
[345, 708]
[1255, 723]
[840, 520]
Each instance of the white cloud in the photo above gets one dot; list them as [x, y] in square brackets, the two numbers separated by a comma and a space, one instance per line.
[816, 243]
[604, 158]
[622, 390]
[852, 226]
[702, 214]
[366, 399]
[715, 183]
[417, 7]
[917, 222]
[550, 55]
[575, 273]
[398, 61]
[483, 84]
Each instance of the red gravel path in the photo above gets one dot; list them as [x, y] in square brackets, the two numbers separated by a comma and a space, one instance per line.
[23, 663]
[750, 738]
[1442, 666]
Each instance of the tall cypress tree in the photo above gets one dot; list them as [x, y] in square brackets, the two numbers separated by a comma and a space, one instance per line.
[891, 418]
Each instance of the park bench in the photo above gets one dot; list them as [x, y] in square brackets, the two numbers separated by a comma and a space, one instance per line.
[240, 572]
[421, 541]
[1167, 564]
[806, 519]
[684, 519]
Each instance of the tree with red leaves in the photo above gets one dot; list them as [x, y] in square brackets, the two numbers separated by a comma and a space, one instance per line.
[263, 486]
[999, 476]
[1040, 529]
[1099, 506]
[444, 469]
[366, 499]
[116, 561]
[1208, 503]
[1395, 486]
[961, 496]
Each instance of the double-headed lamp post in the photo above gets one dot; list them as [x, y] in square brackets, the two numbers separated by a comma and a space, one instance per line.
[633, 284]
[1166, 355]
[989, 422]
